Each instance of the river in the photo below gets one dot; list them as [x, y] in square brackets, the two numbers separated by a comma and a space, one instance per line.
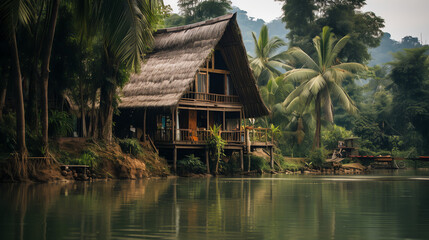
[383, 205]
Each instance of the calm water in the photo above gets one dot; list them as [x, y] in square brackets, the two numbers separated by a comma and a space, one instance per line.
[382, 206]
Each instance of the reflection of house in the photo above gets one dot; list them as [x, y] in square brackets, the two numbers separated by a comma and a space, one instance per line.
[196, 76]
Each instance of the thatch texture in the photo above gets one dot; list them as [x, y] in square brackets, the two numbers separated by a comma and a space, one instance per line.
[169, 71]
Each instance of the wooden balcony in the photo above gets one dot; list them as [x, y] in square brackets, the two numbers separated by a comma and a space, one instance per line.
[255, 136]
[210, 97]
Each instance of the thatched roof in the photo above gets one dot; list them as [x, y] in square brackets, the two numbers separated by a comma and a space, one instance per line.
[169, 70]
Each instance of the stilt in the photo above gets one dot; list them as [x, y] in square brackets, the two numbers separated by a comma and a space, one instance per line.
[242, 160]
[144, 125]
[175, 159]
[271, 158]
[248, 158]
[207, 161]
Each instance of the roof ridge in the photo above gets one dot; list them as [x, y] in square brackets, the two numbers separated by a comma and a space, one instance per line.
[197, 24]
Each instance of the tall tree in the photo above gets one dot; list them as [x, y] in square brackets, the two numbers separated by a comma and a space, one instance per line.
[267, 63]
[125, 28]
[12, 14]
[304, 18]
[410, 71]
[321, 78]
[46, 57]
[199, 10]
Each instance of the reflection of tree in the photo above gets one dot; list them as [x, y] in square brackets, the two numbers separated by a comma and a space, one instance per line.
[216, 208]
[90, 210]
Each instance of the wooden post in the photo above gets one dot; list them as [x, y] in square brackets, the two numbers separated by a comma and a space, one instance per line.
[271, 158]
[223, 125]
[208, 122]
[144, 125]
[207, 161]
[175, 159]
[172, 125]
[242, 160]
[248, 158]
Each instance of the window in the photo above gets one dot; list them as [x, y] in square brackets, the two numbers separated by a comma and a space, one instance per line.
[230, 86]
[201, 83]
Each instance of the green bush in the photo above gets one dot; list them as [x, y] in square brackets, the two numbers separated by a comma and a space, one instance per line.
[87, 158]
[257, 163]
[190, 164]
[317, 157]
[332, 135]
[131, 146]
[60, 123]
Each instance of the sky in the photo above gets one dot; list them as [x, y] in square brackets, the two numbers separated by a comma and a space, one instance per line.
[402, 17]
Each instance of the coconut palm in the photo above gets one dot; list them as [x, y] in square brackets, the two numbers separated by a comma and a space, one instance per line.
[266, 64]
[321, 79]
[125, 28]
[12, 14]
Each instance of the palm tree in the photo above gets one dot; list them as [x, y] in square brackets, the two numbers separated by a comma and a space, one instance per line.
[125, 28]
[13, 13]
[321, 78]
[266, 63]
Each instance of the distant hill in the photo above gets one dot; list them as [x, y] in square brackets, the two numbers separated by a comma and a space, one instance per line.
[248, 25]
[383, 53]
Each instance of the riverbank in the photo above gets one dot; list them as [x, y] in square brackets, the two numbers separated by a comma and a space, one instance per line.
[122, 159]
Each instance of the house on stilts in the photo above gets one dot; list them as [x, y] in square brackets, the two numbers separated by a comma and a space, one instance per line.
[197, 76]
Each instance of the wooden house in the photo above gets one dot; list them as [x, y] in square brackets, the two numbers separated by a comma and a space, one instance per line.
[196, 76]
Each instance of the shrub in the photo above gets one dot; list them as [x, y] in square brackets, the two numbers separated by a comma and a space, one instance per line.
[258, 163]
[60, 123]
[131, 146]
[190, 164]
[317, 157]
[89, 158]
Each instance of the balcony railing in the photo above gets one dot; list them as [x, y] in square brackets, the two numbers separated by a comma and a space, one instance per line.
[255, 136]
[211, 97]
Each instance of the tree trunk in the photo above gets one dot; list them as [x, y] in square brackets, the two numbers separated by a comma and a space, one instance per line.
[33, 102]
[3, 93]
[45, 70]
[19, 106]
[107, 93]
[316, 142]
[82, 109]
[92, 122]
[106, 111]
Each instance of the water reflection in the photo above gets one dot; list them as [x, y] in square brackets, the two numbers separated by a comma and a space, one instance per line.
[280, 207]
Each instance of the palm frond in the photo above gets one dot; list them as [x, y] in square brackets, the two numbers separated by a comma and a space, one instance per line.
[303, 58]
[316, 84]
[294, 94]
[263, 38]
[337, 49]
[273, 45]
[297, 75]
[338, 92]
[13, 12]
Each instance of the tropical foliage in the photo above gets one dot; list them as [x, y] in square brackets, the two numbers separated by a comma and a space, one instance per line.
[321, 79]
[267, 64]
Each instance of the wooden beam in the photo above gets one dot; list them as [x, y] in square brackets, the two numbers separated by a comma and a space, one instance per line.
[221, 71]
[223, 125]
[271, 158]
